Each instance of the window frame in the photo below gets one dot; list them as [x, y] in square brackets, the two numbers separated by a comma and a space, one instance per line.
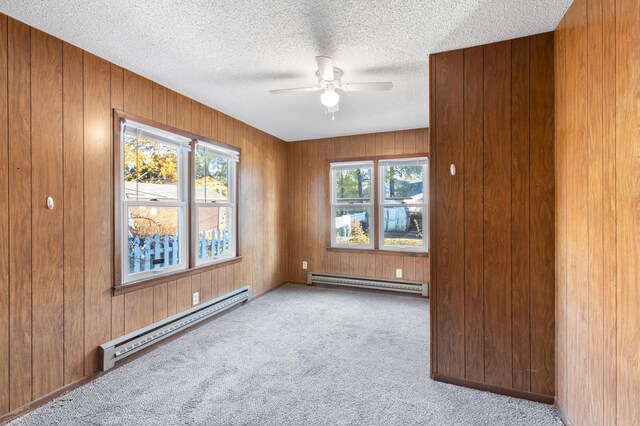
[370, 205]
[424, 205]
[121, 283]
[231, 203]
[377, 210]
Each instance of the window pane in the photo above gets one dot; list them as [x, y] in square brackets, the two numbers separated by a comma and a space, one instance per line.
[403, 184]
[150, 170]
[352, 225]
[403, 226]
[212, 177]
[352, 186]
[153, 237]
[213, 231]
[200, 160]
[217, 179]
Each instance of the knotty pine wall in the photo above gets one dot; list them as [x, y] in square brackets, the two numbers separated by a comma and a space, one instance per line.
[56, 302]
[492, 259]
[309, 209]
[598, 212]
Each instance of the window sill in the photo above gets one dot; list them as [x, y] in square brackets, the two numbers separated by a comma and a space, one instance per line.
[378, 251]
[150, 282]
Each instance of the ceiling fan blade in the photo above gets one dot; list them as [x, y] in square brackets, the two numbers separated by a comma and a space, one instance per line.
[361, 87]
[297, 89]
[325, 68]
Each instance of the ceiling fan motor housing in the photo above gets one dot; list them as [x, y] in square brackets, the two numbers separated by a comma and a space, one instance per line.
[337, 77]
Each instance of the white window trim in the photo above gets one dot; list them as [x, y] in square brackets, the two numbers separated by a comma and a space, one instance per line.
[231, 203]
[182, 204]
[369, 206]
[425, 205]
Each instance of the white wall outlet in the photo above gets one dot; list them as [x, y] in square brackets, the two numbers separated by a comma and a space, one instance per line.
[196, 298]
[304, 264]
[398, 273]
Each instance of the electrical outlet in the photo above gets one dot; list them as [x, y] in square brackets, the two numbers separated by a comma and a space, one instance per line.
[196, 298]
[398, 273]
[304, 264]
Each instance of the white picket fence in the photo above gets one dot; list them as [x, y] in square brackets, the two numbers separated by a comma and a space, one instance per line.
[160, 251]
[213, 243]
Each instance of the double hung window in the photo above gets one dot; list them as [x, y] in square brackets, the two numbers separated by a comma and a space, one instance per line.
[177, 201]
[154, 201]
[215, 202]
[395, 218]
[352, 204]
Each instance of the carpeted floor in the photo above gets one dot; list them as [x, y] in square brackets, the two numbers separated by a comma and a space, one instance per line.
[296, 356]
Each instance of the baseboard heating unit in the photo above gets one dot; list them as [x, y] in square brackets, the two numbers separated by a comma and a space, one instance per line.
[368, 282]
[120, 348]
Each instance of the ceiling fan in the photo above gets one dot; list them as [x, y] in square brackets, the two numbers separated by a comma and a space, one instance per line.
[330, 80]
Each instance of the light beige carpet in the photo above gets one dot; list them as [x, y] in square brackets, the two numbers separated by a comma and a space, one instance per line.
[297, 356]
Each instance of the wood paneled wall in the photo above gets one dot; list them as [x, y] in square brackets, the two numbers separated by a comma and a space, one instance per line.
[56, 302]
[492, 280]
[598, 212]
[309, 209]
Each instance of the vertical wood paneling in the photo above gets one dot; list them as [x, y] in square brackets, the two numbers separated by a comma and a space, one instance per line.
[609, 212]
[172, 108]
[183, 297]
[160, 302]
[473, 220]
[138, 309]
[117, 102]
[138, 95]
[195, 283]
[117, 87]
[628, 208]
[19, 103]
[183, 112]
[501, 297]
[56, 140]
[172, 298]
[308, 232]
[47, 225]
[449, 149]
[206, 114]
[195, 117]
[598, 171]
[542, 195]
[117, 316]
[73, 143]
[4, 223]
[578, 226]
[97, 201]
[520, 256]
[497, 214]
[561, 216]
[570, 204]
[159, 103]
[206, 290]
[388, 143]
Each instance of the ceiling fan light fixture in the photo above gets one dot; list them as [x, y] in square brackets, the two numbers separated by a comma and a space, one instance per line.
[329, 98]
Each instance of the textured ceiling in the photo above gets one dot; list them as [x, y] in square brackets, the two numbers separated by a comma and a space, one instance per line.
[228, 54]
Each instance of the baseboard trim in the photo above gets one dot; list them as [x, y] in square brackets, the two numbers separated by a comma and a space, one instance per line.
[12, 415]
[6, 418]
[531, 396]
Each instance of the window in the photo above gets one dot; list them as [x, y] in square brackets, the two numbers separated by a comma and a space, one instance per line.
[352, 205]
[403, 204]
[393, 219]
[154, 201]
[215, 202]
[176, 201]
